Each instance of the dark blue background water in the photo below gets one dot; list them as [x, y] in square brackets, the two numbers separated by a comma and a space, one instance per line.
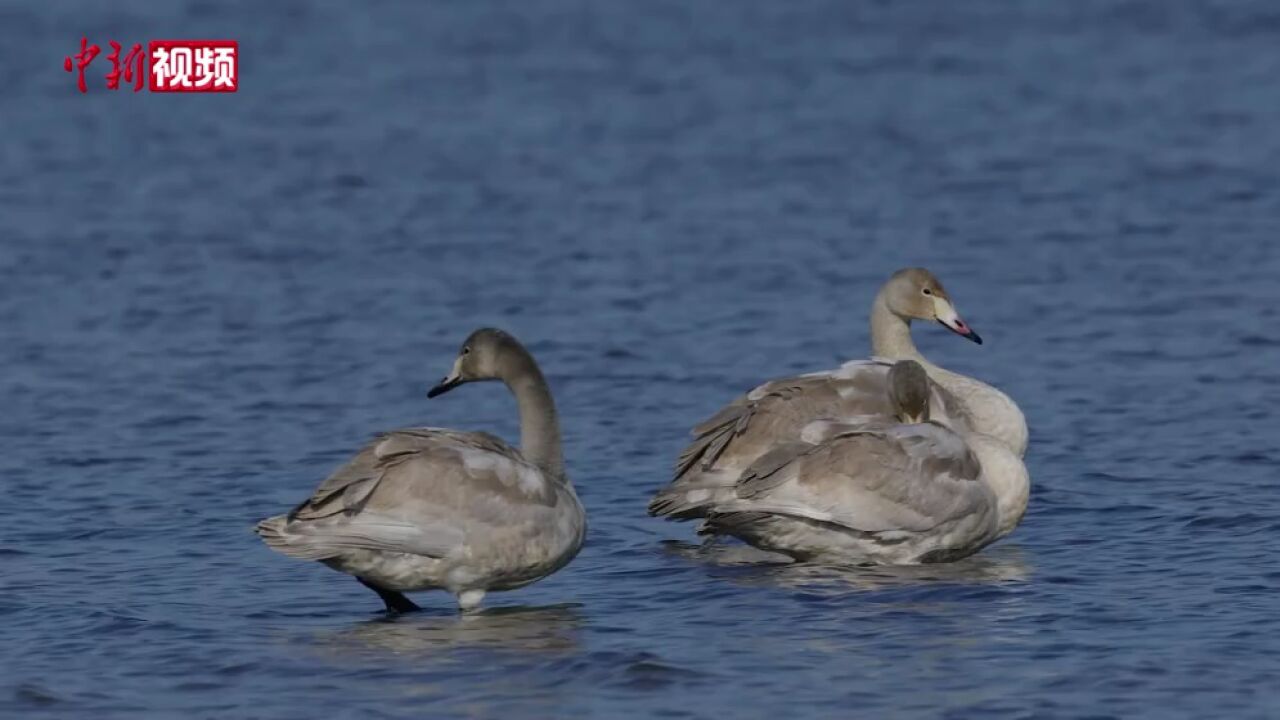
[207, 302]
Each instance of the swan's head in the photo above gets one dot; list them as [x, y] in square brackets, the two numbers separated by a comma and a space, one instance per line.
[909, 391]
[486, 354]
[915, 294]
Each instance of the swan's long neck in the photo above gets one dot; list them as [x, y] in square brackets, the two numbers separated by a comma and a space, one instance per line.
[539, 424]
[891, 338]
[1007, 477]
[891, 334]
[990, 411]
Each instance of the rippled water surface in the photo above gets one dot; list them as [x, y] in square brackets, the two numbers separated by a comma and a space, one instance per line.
[207, 302]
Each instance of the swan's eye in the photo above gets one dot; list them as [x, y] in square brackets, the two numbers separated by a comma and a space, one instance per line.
[466, 351]
[927, 291]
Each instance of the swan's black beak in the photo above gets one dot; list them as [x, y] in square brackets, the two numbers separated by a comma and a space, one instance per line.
[444, 386]
[961, 329]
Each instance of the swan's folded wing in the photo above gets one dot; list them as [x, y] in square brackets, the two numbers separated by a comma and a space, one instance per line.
[775, 412]
[428, 491]
[334, 535]
[740, 432]
[711, 436]
[766, 473]
[875, 481]
[780, 410]
[758, 420]
[358, 476]
[348, 488]
[855, 395]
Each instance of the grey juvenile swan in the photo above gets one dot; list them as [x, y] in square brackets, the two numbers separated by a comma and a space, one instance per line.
[898, 492]
[779, 410]
[429, 508]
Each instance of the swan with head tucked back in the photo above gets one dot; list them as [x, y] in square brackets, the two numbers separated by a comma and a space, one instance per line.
[907, 490]
[783, 410]
[428, 508]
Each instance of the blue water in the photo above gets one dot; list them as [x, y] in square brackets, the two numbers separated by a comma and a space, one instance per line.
[208, 302]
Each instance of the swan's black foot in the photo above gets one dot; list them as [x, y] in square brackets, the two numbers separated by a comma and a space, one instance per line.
[396, 603]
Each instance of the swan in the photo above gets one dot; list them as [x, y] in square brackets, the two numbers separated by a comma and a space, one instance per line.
[431, 508]
[780, 410]
[903, 491]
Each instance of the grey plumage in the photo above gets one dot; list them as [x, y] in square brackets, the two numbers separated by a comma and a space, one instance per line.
[781, 411]
[881, 496]
[812, 406]
[880, 492]
[426, 508]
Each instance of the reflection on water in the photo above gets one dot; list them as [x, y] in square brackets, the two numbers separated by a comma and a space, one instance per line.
[552, 629]
[997, 565]
[491, 663]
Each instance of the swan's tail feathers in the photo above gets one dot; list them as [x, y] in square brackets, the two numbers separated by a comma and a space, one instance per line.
[690, 501]
[711, 438]
[731, 523]
[276, 533]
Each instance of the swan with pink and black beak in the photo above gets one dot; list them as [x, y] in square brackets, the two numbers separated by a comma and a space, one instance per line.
[808, 407]
[950, 319]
